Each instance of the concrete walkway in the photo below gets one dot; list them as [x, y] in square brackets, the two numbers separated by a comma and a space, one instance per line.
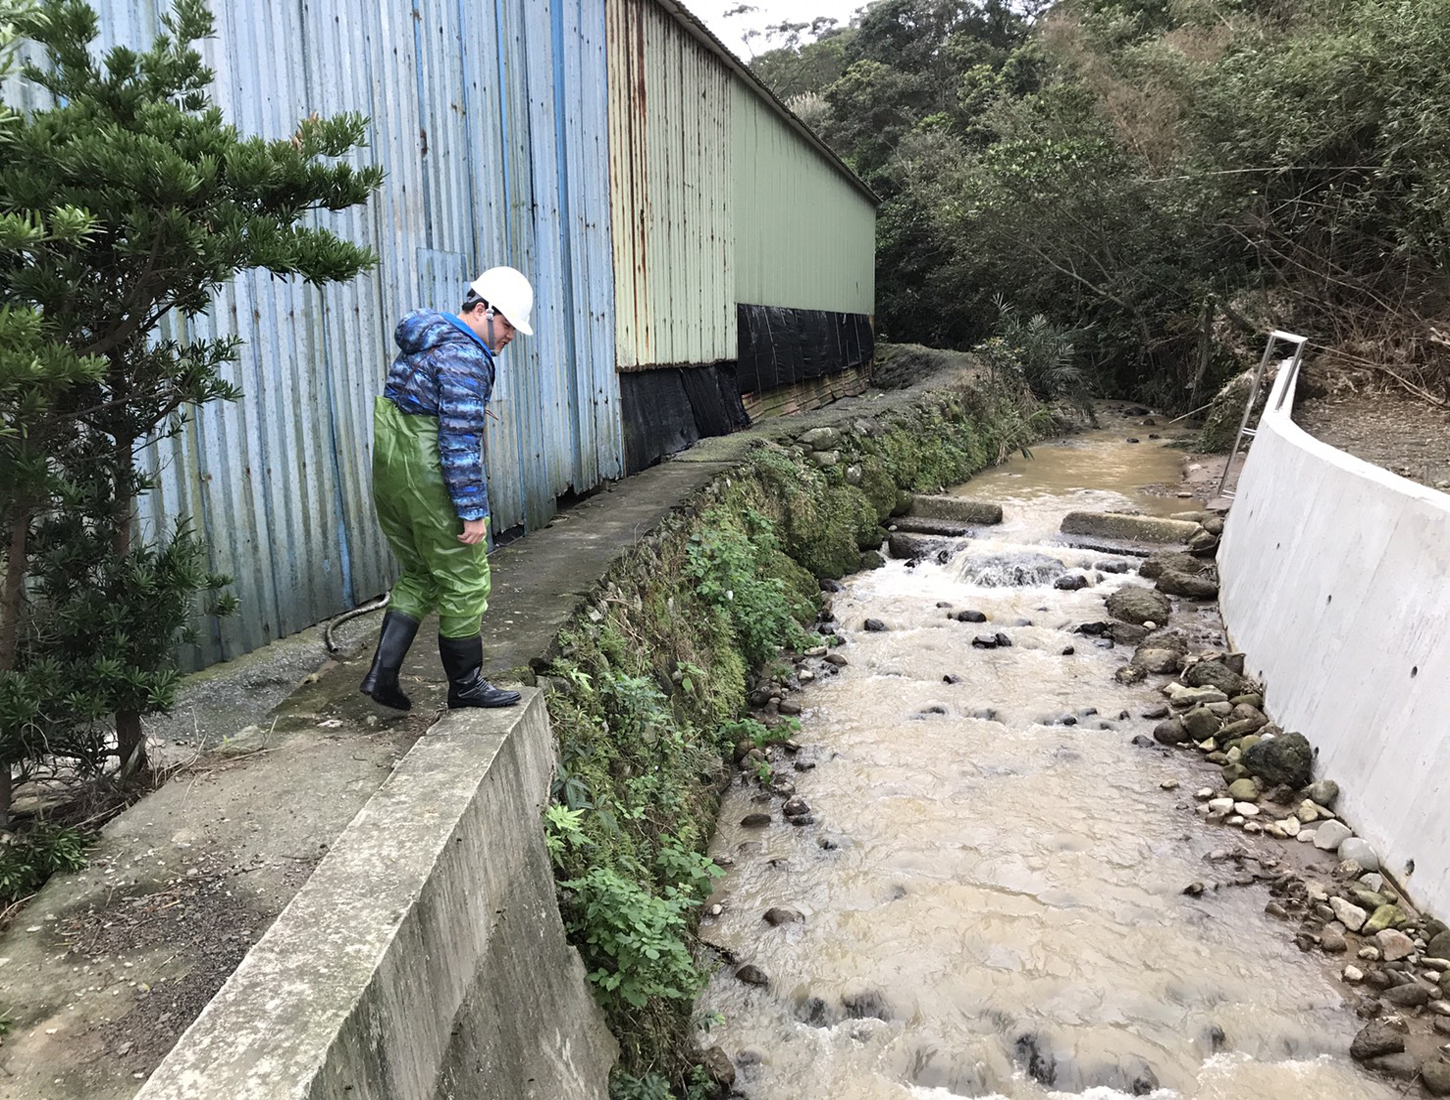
[104, 970]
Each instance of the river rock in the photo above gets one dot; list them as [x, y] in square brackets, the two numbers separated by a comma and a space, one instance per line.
[1231, 773]
[1244, 790]
[837, 660]
[1393, 945]
[1383, 921]
[751, 974]
[1408, 995]
[1242, 712]
[1220, 805]
[1330, 835]
[795, 807]
[1348, 914]
[1323, 791]
[1435, 1077]
[1439, 946]
[876, 626]
[1290, 827]
[1203, 544]
[1150, 658]
[1359, 850]
[1184, 697]
[1070, 582]
[1170, 732]
[1193, 587]
[718, 1066]
[1247, 809]
[985, 641]
[1139, 605]
[1284, 759]
[1332, 942]
[1153, 714]
[1127, 634]
[779, 915]
[1352, 974]
[1171, 560]
[1376, 1040]
[970, 617]
[1201, 723]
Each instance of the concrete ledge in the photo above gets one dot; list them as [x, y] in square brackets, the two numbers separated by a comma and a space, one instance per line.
[1130, 528]
[425, 957]
[1334, 583]
[957, 509]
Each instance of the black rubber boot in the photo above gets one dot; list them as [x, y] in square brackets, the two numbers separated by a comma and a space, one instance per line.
[381, 682]
[462, 660]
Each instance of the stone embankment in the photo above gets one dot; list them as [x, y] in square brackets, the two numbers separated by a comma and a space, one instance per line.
[1393, 960]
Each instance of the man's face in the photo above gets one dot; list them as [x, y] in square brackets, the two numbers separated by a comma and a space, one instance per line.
[495, 331]
[503, 332]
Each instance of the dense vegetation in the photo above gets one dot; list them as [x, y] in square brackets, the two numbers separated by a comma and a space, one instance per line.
[1160, 180]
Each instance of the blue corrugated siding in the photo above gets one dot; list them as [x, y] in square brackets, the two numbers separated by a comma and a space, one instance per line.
[491, 121]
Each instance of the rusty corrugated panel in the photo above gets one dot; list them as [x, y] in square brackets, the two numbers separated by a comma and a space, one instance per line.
[669, 106]
[490, 119]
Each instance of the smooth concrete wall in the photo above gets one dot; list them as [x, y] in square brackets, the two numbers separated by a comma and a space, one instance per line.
[425, 958]
[1336, 584]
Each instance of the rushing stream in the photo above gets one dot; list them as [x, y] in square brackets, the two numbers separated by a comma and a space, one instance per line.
[993, 899]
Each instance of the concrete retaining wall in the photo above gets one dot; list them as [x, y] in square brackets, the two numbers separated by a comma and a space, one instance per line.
[425, 957]
[1336, 584]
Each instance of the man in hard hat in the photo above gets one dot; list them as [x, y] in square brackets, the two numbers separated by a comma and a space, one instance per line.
[429, 485]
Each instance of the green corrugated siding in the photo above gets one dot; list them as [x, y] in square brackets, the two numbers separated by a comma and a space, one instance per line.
[805, 235]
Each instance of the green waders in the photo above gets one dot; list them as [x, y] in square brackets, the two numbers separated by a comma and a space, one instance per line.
[417, 517]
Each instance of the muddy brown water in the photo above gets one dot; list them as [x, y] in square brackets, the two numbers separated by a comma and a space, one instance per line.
[993, 900]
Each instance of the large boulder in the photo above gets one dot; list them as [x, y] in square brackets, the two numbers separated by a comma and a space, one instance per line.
[1137, 605]
[1176, 560]
[1175, 583]
[1287, 759]
[1216, 675]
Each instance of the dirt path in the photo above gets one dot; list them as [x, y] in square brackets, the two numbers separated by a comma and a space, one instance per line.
[1408, 437]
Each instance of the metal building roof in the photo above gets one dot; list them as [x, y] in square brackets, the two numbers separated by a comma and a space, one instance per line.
[691, 22]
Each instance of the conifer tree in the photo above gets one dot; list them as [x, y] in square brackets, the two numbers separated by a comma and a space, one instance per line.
[128, 200]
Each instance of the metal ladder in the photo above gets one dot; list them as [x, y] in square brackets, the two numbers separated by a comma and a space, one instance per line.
[1245, 432]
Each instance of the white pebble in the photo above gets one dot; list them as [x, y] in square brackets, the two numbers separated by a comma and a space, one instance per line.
[1248, 809]
[1169, 784]
[1353, 974]
[1237, 819]
[1221, 805]
[1369, 954]
[1203, 794]
[1253, 827]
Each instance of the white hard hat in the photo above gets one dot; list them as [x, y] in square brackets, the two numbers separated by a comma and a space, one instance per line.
[509, 292]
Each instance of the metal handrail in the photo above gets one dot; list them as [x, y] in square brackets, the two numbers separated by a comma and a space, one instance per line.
[1281, 384]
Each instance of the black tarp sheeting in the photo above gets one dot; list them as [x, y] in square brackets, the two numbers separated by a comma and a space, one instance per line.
[779, 346]
[667, 409]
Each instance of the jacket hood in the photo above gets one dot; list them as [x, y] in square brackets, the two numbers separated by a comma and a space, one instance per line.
[426, 328]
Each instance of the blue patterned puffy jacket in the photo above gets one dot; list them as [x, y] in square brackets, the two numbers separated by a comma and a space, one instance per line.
[445, 371]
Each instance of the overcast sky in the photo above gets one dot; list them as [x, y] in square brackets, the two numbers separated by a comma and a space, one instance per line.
[729, 30]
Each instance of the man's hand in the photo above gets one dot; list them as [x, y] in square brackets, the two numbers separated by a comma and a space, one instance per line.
[474, 531]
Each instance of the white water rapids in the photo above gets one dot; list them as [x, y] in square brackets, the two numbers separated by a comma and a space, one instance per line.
[993, 900]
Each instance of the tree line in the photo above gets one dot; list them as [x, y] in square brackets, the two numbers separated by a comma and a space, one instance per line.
[1155, 183]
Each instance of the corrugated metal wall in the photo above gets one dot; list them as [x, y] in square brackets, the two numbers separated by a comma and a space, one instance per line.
[669, 129]
[808, 240]
[489, 120]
